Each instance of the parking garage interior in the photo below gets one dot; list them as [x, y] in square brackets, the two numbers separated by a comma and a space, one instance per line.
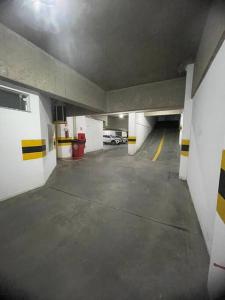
[112, 156]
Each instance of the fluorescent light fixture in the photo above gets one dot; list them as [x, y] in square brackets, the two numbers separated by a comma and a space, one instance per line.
[45, 2]
[121, 116]
[38, 3]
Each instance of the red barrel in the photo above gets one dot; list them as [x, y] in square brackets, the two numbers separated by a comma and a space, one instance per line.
[78, 146]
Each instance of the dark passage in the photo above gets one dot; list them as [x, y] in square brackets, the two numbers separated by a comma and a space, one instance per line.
[108, 227]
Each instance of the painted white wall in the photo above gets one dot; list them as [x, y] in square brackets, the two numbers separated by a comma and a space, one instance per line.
[131, 132]
[94, 135]
[93, 130]
[186, 120]
[109, 132]
[181, 128]
[207, 132]
[22, 175]
[144, 126]
[140, 127]
[49, 161]
[114, 133]
[70, 126]
[80, 122]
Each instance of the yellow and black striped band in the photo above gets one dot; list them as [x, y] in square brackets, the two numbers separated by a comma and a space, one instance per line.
[32, 149]
[131, 139]
[185, 147]
[60, 122]
[221, 191]
[63, 141]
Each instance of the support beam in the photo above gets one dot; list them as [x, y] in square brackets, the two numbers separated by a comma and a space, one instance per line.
[163, 112]
[168, 94]
[132, 133]
[24, 63]
[186, 130]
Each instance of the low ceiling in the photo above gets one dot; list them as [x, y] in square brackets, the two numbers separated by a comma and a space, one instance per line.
[115, 43]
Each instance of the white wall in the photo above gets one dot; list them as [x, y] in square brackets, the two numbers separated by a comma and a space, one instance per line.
[49, 161]
[94, 135]
[114, 133]
[186, 122]
[139, 127]
[207, 135]
[20, 175]
[93, 130]
[144, 126]
[71, 126]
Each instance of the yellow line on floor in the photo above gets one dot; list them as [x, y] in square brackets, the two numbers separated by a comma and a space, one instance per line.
[159, 149]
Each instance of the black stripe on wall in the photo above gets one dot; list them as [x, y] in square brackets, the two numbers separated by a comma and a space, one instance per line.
[184, 147]
[64, 141]
[34, 149]
[222, 183]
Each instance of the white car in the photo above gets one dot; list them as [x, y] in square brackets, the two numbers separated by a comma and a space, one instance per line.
[113, 140]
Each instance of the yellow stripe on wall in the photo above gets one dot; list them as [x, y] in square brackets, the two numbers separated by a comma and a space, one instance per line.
[64, 138]
[184, 153]
[131, 142]
[34, 155]
[32, 149]
[185, 147]
[185, 142]
[31, 143]
[131, 139]
[221, 207]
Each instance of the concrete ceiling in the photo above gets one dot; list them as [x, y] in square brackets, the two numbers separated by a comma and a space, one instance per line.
[115, 43]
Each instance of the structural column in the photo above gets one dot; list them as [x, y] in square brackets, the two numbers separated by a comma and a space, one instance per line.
[63, 140]
[186, 128]
[132, 133]
[216, 280]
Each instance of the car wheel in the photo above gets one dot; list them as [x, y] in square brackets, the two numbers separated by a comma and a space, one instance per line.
[113, 142]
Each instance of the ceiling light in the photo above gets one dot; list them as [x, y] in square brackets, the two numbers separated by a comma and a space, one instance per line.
[121, 116]
[38, 3]
[46, 2]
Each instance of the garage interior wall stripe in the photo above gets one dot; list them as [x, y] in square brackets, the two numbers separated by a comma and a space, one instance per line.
[131, 137]
[34, 155]
[221, 191]
[63, 141]
[64, 138]
[32, 149]
[185, 147]
[185, 142]
[132, 140]
[30, 143]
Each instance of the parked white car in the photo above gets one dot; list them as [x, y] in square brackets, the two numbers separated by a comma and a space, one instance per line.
[109, 139]
[124, 139]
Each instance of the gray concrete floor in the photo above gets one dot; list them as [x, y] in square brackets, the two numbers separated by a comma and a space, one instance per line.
[108, 227]
[115, 147]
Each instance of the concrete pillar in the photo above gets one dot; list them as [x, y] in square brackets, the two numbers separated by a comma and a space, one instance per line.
[216, 279]
[132, 133]
[186, 130]
[63, 140]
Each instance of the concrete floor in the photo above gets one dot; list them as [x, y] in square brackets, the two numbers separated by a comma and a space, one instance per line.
[114, 147]
[109, 227]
